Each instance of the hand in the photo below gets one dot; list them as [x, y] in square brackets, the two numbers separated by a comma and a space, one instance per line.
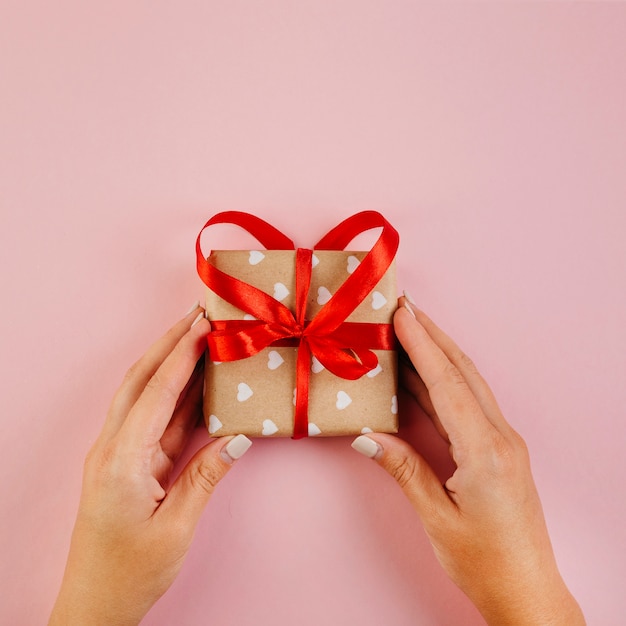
[133, 527]
[485, 523]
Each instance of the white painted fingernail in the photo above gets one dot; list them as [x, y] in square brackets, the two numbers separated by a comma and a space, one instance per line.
[193, 307]
[410, 310]
[407, 295]
[368, 447]
[235, 448]
[200, 316]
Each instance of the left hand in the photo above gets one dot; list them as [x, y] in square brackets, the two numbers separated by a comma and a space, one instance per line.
[134, 528]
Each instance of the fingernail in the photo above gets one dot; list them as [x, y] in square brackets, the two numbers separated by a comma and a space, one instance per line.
[200, 316]
[368, 447]
[407, 295]
[410, 310]
[235, 448]
[196, 304]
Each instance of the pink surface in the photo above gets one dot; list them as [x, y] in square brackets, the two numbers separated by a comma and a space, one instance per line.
[492, 136]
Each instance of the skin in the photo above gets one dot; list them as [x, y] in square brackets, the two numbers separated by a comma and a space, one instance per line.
[486, 523]
[134, 528]
[134, 525]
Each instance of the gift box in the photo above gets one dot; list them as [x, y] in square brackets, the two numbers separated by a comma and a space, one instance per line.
[301, 341]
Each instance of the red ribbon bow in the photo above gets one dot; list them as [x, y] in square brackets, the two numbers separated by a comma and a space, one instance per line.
[344, 348]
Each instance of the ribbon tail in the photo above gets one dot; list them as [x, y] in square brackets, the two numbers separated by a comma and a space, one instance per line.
[343, 361]
[303, 374]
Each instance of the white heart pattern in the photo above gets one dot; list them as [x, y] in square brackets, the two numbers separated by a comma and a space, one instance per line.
[247, 316]
[377, 370]
[255, 257]
[243, 392]
[214, 424]
[323, 295]
[314, 430]
[274, 360]
[365, 430]
[378, 300]
[353, 263]
[394, 404]
[316, 366]
[269, 428]
[280, 292]
[314, 261]
[343, 400]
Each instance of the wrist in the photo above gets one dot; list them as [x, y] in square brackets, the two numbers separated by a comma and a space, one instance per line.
[77, 605]
[532, 605]
[94, 595]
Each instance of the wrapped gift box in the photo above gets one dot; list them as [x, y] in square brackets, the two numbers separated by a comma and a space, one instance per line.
[256, 396]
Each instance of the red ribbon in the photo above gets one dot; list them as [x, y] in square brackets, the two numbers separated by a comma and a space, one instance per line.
[343, 348]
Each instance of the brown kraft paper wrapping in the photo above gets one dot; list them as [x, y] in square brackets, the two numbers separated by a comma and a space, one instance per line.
[256, 395]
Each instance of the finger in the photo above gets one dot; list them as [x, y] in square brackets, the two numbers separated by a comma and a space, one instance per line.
[459, 412]
[410, 470]
[411, 381]
[186, 415]
[141, 372]
[150, 415]
[465, 365]
[193, 488]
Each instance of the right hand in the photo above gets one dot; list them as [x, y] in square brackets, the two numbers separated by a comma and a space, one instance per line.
[486, 522]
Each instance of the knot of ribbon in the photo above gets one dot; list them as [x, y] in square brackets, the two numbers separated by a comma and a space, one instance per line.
[343, 348]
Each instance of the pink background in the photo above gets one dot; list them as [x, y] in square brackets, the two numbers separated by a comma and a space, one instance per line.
[492, 136]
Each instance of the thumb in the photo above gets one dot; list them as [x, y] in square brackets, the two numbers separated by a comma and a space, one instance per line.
[411, 471]
[194, 486]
